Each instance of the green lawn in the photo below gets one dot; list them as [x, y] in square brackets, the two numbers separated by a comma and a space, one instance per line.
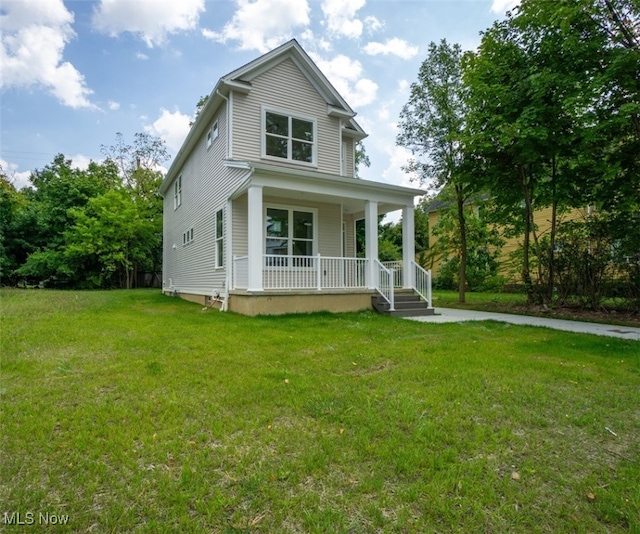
[135, 412]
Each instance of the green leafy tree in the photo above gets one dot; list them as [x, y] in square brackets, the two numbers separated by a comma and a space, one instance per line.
[55, 190]
[432, 125]
[109, 238]
[553, 100]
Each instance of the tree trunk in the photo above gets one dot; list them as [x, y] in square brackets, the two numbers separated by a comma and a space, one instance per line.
[462, 226]
[552, 236]
[526, 271]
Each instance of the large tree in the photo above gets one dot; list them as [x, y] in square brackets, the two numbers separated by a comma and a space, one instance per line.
[431, 126]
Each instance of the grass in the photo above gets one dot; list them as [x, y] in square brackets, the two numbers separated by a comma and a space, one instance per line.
[128, 411]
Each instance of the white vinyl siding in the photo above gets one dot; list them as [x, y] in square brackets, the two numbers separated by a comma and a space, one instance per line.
[206, 186]
[284, 87]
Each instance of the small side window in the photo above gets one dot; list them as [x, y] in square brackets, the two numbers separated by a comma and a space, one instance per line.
[219, 238]
[177, 193]
[215, 131]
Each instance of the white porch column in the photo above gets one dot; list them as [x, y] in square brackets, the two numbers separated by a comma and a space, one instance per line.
[408, 245]
[371, 240]
[255, 230]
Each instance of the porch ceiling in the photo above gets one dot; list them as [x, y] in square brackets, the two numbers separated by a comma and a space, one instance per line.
[350, 206]
[292, 184]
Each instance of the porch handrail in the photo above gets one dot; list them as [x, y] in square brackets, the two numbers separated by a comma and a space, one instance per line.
[422, 282]
[384, 283]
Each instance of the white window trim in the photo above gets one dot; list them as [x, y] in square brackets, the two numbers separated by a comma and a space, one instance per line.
[187, 237]
[219, 261]
[213, 133]
[177, 193]
[290, 209]
[288, 159]
[215, 130]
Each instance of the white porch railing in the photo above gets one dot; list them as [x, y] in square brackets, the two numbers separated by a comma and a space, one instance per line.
[304, 272]
[422, 282]
[385, 283]
[398, 274]
[325, 272]
[240, 272]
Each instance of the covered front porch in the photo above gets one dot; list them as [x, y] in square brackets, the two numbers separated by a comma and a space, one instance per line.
[294, 240]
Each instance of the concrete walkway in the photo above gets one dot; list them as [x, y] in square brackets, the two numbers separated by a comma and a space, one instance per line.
[450, 315]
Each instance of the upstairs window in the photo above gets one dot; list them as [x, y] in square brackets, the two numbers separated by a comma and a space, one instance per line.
[177, 193]
[212, 134]
[288, 137]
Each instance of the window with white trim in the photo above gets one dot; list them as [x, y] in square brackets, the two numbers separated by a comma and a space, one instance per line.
[289, 137]
[177, 193]
[219, 238]
[212, 134]
[290, 232]
[187, 237]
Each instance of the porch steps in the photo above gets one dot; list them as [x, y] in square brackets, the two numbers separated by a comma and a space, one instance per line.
[407, 304]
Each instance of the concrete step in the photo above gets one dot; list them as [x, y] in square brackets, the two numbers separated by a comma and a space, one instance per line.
[406, 305]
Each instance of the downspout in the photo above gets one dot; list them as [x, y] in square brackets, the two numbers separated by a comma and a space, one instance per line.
[227, 229]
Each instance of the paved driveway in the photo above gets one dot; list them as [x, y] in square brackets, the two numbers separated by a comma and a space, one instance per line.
[450, 315]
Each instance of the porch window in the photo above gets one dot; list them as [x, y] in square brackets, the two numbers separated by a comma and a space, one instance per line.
[289, 232]
[289, 137]
[219, 238]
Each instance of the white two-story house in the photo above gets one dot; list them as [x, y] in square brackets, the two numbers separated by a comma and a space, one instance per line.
[261, 201]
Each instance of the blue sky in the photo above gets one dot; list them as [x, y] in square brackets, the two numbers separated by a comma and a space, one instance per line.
[73, 73]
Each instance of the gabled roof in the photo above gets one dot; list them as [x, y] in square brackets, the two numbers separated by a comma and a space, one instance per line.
[240, 80]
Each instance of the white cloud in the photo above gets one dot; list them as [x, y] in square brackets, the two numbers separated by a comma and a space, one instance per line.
[394, 47]
[113, 106]
[262, 24]
[80, 161]
[502, 6]
[373, 24]
[346, 75]
[152, 20]
[172, 127]
[19, 179]
[340, 17]
[393, 174]
[142, 56]
[33, 40]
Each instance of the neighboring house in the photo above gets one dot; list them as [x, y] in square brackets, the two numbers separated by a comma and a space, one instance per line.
[509, 267]
[261, 201]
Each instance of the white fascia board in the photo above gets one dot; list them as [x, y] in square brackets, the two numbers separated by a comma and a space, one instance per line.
[328, 184]
[334, 111]
[197, 129]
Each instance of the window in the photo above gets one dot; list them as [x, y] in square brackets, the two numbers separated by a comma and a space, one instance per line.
[177, 193]
[212, 134]
[219, 238]
[289, 137]
[289, 232]
[187, 237]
